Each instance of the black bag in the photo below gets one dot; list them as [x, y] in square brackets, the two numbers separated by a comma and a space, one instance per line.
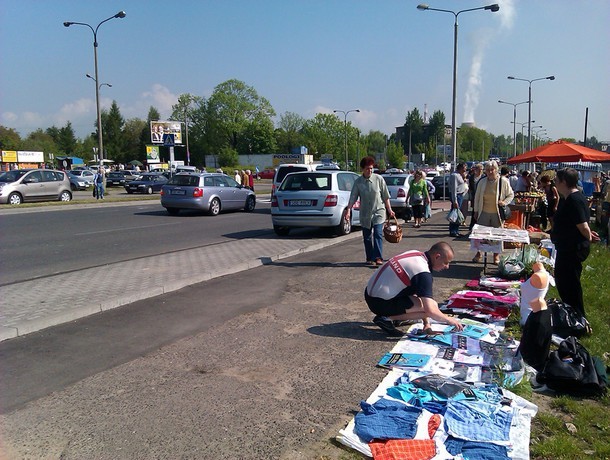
[408, 213]
[504, 211]
[566, 320]
[94, 191]
[571, 370]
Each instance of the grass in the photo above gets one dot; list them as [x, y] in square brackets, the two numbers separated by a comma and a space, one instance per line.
[551, 437]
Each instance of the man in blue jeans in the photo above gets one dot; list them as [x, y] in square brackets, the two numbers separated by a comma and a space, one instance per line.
[374, 197]
[457, 188]
[98, 183]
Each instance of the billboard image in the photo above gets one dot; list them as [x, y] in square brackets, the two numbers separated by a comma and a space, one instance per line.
[158, 129]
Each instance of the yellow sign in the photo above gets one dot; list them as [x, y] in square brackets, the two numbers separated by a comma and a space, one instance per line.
[9, 156]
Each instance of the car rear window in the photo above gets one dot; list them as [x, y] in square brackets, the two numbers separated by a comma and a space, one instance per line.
[282, 171]
[313, 181]
[186, 180]
[394, 180]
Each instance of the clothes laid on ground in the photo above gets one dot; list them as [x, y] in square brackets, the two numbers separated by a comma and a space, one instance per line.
[386, 419]
[536, 338]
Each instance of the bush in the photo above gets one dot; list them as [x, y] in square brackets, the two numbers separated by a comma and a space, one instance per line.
[228, 157]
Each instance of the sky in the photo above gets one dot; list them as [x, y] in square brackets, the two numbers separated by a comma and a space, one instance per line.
[383, 57]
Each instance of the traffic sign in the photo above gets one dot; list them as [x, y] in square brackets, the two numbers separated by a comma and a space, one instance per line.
[168, 139]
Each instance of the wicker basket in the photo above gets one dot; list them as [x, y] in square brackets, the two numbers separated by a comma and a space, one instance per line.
[392, 232]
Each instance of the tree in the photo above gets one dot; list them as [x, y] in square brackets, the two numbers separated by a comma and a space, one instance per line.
[396, 155]
[474, 143]
[9, 139]
[325, 134]
[228, 157]
[413, 131]
[133, 147]
[289, 134]
[231, 108]
[67, 139]
[112, 127]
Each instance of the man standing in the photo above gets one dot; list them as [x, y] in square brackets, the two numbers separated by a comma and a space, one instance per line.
[374, 197]
[457, 188]
[401, 290]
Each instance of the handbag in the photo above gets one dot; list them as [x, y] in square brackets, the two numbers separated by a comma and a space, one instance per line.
[504, 211]
[566, 320]
[392, 232]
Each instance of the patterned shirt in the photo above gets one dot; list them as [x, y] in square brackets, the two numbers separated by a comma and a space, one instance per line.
[373, 192]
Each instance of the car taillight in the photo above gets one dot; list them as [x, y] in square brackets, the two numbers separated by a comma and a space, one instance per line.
[401, 193]
[198, 192]
[274, 202]
[161, 192]
[331, 200]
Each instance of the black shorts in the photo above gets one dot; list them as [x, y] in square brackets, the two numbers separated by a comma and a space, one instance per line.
[392, 307]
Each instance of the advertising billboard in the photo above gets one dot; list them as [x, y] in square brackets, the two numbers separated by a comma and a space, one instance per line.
[152, 154]
[158, 129]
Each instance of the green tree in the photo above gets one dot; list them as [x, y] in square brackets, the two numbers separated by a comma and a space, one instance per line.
[230, 109]
[9, 139]
[40, 141]
[289, 133]
[133, 147]
[112, 130]
[258, 137]
[414, 132]
[396, 155]
[228, 157]
[474, 143]
[325, 134]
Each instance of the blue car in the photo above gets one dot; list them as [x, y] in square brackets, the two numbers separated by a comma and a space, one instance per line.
[148, 183]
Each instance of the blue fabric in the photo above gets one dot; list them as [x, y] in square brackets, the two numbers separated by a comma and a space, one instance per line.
[477, 421]
[472, 450]
[386, 420]
[454, 228]
[373, 242]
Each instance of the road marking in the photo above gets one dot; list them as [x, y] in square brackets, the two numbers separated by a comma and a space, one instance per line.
[125, 228]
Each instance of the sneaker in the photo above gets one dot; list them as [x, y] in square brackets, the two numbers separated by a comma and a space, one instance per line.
[405, 322]
[387, 326]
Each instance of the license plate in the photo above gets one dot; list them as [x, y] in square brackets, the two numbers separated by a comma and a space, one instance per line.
[178, 192]
[299, 203]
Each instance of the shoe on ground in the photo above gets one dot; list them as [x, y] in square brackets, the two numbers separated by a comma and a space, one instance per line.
[379, 262]
[405, 322]
[387, 326]
[477, 259]
[371, 263]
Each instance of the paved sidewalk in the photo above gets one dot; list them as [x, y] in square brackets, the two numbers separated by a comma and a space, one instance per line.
[30, 306]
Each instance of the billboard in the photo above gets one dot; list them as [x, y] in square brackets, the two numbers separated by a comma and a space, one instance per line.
[159, 128]
[152, 154]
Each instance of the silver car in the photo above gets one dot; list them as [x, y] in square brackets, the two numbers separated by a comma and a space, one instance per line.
[314, 199]
[208, 192]
[20, 185]
[398, 186]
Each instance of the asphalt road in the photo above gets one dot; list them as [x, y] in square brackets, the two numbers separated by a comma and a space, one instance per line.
[268, 363]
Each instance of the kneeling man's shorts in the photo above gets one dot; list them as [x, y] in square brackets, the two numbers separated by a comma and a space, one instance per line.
[392, 307]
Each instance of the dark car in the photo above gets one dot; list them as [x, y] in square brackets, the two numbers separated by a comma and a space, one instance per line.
[146, 183]
[441, 185]
[115, 178]
[208, 192]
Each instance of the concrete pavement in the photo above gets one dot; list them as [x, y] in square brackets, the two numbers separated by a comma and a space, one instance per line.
[30, 306]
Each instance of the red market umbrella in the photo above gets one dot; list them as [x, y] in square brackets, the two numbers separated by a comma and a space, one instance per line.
[560, 151]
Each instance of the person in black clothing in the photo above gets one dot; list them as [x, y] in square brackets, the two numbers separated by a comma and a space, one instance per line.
[572, 238]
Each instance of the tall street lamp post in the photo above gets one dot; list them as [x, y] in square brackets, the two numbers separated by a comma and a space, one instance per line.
[514, 123]
[422, 6]
[119, 15]
[529, 111]
[345, 127]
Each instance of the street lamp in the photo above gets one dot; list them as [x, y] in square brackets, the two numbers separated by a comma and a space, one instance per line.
[101, 84]
[522, 135]
[514, 122]
[537, 132]
[345, 126]
[493, 8]
[119, 15]
[529, 112]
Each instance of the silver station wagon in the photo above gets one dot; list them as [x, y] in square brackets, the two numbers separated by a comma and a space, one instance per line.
[314, 199]
[207, 192]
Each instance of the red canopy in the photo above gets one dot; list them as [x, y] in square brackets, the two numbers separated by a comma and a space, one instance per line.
[560, 151]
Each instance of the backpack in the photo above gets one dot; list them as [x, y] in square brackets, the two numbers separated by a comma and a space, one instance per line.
[571, 370]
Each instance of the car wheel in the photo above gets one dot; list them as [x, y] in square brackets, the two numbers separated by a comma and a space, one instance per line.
[65, 196]
[173, 211]
[250, 204]
[149, 190]
[15, 198]
[281, 231]
[215, 207]
[345, 227]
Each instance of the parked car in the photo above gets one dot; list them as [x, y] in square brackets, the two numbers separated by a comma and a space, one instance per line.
[86, 174]
[283, 169]
[208, 192]
[130, 174]
[146, 183]
[77, 182]
[115, 178]
[266, 174]
[441, 183]
[398, 186]
[20, 185]
[314, 199]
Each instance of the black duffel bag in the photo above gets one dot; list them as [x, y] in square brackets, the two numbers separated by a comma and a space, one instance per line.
[567, 321]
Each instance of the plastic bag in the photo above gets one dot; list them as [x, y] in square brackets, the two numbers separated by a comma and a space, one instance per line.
[455, 216]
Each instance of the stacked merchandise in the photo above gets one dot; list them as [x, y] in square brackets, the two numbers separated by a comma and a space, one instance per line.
[439, 399]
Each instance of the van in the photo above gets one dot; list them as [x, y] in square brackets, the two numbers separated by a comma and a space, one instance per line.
[184, 168]
[283, 169]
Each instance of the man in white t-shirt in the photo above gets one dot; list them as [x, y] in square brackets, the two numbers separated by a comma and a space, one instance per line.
[401, 289]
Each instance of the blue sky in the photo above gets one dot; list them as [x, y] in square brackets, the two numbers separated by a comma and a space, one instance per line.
[384, 57]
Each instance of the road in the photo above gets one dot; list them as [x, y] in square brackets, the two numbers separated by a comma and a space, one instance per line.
[268, 363]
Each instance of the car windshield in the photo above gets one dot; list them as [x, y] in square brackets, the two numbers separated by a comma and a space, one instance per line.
[77, 172]
[187, 180]
[311, 181]
[394, 180]
[148, 177]
[12, 176]
[282, 171]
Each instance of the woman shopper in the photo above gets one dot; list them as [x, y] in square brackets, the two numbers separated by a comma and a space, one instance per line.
[492, 192]
[374, 197]
[552, 200]
[572, 238]
[418, 197]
